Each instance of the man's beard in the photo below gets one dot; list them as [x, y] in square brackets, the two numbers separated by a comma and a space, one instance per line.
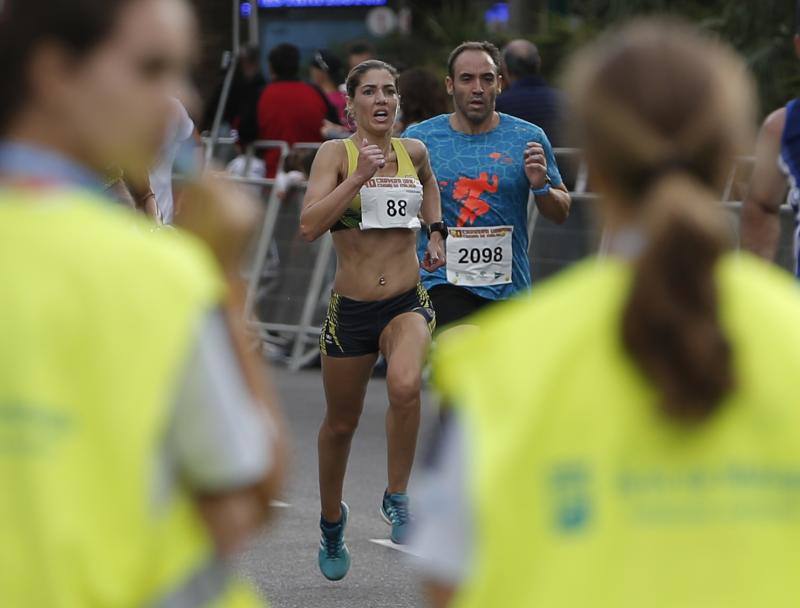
[473, 116]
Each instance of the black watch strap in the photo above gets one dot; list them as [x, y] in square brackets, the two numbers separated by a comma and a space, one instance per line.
[439, 227]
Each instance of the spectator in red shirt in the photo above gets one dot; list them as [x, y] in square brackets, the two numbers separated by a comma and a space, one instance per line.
[289, 109]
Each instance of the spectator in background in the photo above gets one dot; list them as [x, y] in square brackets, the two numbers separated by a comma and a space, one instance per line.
[528, 96]
[290, 110]
[359, 52]
[177, 147]
[247, 166]
[241, 109]
[295, 171]
[153, 192]
[326, 74]
[422, 96]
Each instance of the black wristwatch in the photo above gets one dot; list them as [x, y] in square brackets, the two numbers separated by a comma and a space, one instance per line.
[439, 227]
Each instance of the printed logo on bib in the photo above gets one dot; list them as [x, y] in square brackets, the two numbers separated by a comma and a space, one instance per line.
[480, 257]
[391, 202]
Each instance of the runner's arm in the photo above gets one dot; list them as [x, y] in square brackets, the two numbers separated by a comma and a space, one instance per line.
[540, 166]
[761, 227]
[555, 204]
[431, 198]
[325, 201]
[431, 203]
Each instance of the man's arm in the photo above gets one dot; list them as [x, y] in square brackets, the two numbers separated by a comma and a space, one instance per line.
[431, 203]
[761, 227]
[555, 204]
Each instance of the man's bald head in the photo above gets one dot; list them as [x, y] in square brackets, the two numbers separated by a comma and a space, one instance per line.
[520, 59]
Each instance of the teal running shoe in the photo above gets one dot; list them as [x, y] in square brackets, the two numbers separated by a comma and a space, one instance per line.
[334, 557]
[394, 511]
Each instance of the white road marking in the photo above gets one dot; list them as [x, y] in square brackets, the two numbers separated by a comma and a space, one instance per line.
[279, 504]
[385, 542]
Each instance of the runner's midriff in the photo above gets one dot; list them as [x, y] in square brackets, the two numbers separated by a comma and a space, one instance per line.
[364, 256]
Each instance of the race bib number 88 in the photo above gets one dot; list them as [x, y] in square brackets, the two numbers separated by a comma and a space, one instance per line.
[391, 202]
[480, 256]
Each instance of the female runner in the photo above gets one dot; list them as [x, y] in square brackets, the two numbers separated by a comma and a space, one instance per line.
[370, 191]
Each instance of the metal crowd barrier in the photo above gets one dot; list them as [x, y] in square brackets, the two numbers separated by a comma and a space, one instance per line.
[287, 316]
[289, 281]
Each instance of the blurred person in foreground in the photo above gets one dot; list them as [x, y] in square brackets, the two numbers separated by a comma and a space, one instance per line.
[777, 169]
[527, 94]
[290, 110]
[422, 96]
[629, 440]
[139, 443]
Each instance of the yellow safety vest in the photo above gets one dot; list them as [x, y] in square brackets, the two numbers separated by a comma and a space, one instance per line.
[585, 494]
[96, 318]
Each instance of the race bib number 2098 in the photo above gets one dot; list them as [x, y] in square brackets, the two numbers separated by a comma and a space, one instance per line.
[480, 256]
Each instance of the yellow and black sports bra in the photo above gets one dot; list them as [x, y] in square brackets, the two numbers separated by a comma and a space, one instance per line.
[405, 168]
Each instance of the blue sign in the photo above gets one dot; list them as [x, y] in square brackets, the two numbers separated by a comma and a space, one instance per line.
[317, 3]
[498, 14]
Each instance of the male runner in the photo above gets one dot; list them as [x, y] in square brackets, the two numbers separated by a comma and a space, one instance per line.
[777, 168]
[487, 163]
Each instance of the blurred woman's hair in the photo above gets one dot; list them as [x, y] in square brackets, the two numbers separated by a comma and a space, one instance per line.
[662, 111]
[78, 26]
[422, 95]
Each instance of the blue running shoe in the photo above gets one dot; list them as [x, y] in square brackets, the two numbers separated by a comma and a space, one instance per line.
[394, 511]
[334, 557]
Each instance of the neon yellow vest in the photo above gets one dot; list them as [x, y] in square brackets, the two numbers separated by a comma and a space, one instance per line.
[96, 318]
[585, 495]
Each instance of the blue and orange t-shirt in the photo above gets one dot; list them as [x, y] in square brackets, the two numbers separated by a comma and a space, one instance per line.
[483, 183]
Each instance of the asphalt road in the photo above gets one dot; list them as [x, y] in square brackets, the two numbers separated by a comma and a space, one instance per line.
[283, 561]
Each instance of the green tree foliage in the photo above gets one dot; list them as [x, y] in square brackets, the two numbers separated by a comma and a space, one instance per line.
[761, 30]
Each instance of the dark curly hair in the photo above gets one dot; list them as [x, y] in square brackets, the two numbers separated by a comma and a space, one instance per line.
[422, 95]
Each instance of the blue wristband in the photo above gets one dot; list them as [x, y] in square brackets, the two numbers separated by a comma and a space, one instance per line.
[541, 191]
